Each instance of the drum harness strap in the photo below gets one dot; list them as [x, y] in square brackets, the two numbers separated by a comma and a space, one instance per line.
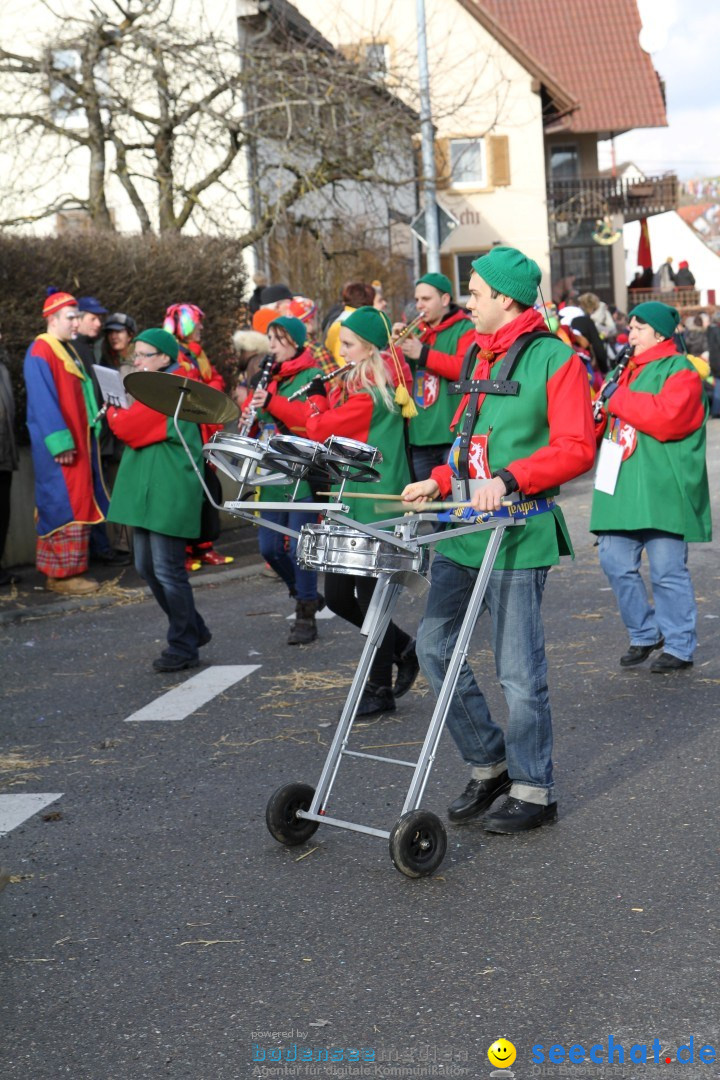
[501, 384]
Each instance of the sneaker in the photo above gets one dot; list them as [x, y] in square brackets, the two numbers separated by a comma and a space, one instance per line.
[517, 815]
[376, 699]
[666, 662]
[213, 558]
[79, 585]
[192, 564]
[636, 654]
[173, 662]
[479, 795]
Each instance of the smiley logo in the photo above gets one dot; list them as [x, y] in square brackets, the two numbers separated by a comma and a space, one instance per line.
[502, 1054]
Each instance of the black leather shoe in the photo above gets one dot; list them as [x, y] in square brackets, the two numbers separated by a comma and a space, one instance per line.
[637, 653]
[408, 670]
[478, 796]
[376, 699]
[516, 815]
[667, 662]
[169, 662]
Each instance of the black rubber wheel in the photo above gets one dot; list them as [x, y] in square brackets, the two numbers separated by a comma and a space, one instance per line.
[281, 814]
[418, 843]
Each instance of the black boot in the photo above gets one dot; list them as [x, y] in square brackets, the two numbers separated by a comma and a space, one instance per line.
[376, 699]
[304, 629]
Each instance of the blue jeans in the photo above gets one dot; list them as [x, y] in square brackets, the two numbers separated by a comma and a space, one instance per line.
[674, 615]
[160, 560]
[301, 583]
[513, 598]
[425, 458]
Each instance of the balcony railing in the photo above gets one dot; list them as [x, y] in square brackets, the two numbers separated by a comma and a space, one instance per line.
[600, 195]
[683, 298]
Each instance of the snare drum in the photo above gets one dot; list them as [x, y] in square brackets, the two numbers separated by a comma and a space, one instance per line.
[349, 459]
[248, 461]
[340, 549]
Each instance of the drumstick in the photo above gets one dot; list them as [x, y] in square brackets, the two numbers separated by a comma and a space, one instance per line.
[411, 508]
[362, 495]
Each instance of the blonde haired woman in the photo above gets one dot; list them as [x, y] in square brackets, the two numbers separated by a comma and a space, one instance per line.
[370, 405]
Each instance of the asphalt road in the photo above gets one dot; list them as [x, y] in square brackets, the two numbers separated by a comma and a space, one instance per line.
[152, 927]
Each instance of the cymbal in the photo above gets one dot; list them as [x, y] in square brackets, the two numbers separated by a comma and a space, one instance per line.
[200, 404]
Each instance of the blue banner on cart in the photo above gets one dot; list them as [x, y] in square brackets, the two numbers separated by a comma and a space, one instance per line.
[524, 508]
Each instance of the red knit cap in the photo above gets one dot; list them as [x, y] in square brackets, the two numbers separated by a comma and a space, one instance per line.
[57, 300]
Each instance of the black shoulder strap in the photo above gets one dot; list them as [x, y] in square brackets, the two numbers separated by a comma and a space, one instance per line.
[501, 384]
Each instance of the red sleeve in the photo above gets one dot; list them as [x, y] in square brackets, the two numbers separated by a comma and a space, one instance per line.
[294, 414]
[449, 365]
[571, 446]
[672, 414]
[442, 475]
[216, 380]
[138, 426]
[352, 420]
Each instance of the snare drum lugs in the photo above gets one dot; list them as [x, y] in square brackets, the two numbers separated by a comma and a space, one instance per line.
[340, 549]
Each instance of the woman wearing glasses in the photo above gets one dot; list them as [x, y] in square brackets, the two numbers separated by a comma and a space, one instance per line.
[158, 493]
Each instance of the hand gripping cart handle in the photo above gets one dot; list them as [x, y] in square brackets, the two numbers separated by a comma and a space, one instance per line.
[417, 840]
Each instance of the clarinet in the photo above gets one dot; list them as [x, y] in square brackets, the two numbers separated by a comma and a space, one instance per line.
[339, 373]
[266, 373]
[623, 359]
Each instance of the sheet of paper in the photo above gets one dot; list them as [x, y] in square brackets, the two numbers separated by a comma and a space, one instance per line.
[608, 466]
[111, 386]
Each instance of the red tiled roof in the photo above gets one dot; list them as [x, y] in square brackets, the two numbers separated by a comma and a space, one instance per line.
[592, 49]
[691, 213]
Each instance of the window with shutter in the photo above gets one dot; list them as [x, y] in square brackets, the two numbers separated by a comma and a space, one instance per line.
[499, 147]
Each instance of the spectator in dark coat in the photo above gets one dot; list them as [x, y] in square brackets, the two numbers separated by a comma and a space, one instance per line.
[684, 279]
[8, 458]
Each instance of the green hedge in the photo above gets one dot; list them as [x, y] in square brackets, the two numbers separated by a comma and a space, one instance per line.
[138, 275]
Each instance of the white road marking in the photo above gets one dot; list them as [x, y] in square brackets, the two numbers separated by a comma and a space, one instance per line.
[326, 613]
[178, 703]
[14, 809]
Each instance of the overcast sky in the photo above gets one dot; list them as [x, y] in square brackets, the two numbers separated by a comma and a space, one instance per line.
[683, 39]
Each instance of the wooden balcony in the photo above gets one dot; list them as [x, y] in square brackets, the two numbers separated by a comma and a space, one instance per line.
[597, 196]
[685, 298]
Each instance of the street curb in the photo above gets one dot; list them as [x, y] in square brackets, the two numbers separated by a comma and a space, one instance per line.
[94, 600]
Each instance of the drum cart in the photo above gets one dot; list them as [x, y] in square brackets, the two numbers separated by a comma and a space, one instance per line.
[397, 559]
[418, 839]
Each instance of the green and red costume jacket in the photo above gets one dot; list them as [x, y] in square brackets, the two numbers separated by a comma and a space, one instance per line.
[156, 486]
[293, 375]
[362, 416]
[658, 415]
[61, 408]
[544, 436]
[444, 347]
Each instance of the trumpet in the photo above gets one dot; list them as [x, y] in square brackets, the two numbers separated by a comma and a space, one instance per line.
[407, 330]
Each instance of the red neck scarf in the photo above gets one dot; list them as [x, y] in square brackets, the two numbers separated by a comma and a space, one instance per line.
[661, 351]
[493, 346]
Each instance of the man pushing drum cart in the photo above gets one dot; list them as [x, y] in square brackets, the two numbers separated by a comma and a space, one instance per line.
[525, 427]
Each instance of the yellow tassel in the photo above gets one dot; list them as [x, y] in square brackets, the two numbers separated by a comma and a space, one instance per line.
[406, 403]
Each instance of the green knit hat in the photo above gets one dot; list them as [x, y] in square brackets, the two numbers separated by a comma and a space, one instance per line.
[296, 329]
[370, 325]
[162, 341]
[440, 282]
[661, 317]
[511, 273]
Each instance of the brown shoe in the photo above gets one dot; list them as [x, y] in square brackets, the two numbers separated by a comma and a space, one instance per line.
[72, 586]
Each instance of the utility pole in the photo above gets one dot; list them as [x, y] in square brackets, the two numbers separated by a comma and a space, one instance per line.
[428, 145]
